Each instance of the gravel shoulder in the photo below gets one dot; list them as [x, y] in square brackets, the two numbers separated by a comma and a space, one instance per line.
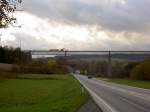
[90, 106]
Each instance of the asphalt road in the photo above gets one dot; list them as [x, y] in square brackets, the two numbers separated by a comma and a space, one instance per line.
[116, 98]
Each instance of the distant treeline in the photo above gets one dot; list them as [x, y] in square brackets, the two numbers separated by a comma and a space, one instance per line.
[120, 69]
[14, 55]
[17, 61]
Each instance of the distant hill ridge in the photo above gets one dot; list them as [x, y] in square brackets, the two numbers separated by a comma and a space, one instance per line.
[130, 57]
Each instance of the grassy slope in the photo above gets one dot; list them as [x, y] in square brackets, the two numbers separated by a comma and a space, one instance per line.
[25, 95]
[134, 83]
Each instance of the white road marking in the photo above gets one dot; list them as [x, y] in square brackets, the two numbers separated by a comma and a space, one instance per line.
[100, 102]
[136, 105]
[105, 106]
[131, 93]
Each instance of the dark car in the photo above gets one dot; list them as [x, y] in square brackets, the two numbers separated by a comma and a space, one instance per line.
[89, 77]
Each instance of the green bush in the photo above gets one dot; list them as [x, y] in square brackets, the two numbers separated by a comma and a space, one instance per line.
[41, 67]
[41, 70]
[7, 75]
[123, 69]
[141, 71]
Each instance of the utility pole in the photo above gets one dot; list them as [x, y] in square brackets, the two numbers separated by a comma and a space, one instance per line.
[109, 69]
[20, 50]
[0, 40]
[65, 53]
[65, 56]
[20, 44]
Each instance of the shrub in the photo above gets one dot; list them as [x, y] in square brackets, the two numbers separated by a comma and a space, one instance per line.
[7, 75]
[41, 67]
[128, 68]
[141, 71]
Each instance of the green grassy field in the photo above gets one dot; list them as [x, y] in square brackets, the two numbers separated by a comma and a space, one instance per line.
[134, 83]
[46, 95]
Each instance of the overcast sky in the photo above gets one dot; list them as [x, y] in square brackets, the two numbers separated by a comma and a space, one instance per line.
[81, 25]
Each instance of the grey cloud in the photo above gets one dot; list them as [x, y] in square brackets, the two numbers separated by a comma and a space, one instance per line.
[134, 16]
[131, 19]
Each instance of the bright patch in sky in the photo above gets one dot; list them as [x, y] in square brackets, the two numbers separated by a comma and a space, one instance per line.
[119, 1]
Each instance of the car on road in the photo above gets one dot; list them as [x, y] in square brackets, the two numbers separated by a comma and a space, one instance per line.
[89, 77]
